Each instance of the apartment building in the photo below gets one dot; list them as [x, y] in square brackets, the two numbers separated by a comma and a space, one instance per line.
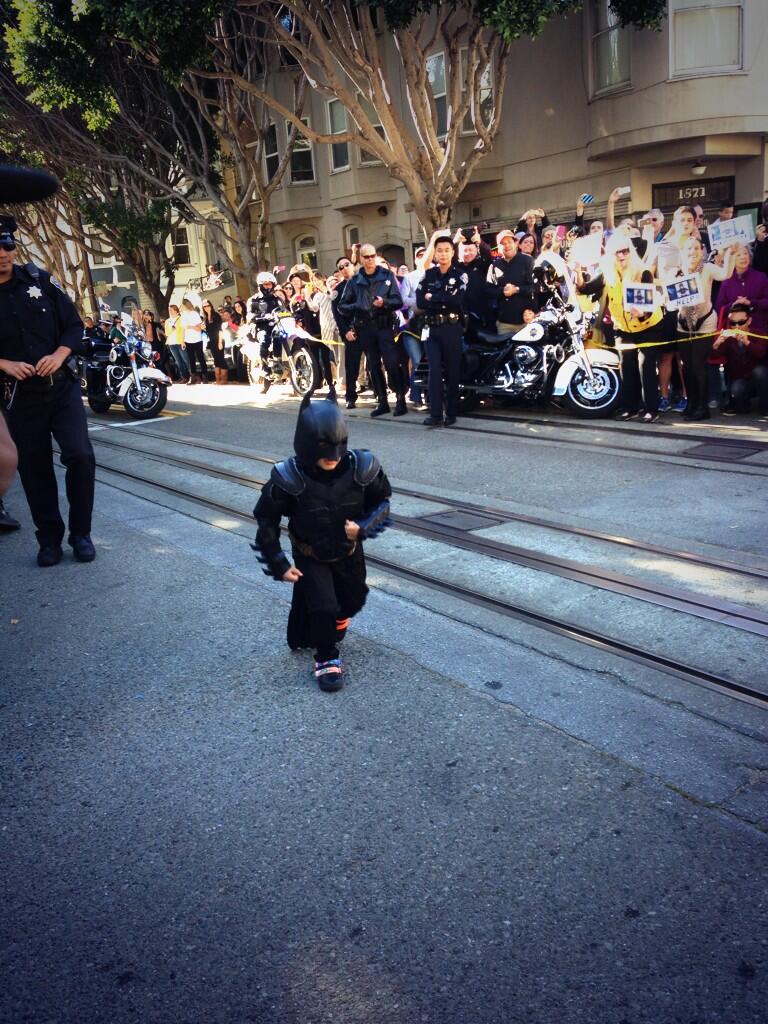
[680, 115]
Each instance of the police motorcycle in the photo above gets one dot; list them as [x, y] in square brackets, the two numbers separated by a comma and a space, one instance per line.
[544, 361]
[123, 372]
[290, 357]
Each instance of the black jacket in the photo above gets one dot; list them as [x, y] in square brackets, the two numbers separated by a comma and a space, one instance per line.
[476, 299]
[344, 323]
[36, 316]
[318, 508]
[517, 271]
[356, 304]
[446, 291]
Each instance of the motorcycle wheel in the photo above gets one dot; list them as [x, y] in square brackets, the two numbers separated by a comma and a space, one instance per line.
[305, 373]
[99, 406]
[596, 399]
[147, 403]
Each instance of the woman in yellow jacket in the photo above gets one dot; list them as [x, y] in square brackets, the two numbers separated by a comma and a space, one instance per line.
[633, 327]
[174, 339]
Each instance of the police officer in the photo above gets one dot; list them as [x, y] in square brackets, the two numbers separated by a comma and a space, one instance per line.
[370, 300]
[441, 295]
[39, 329]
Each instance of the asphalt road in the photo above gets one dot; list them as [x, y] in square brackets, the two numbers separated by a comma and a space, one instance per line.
[192, 832]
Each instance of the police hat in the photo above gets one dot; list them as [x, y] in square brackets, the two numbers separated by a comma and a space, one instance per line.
[7, 228]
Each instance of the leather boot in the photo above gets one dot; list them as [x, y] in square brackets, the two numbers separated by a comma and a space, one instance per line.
[400, 407]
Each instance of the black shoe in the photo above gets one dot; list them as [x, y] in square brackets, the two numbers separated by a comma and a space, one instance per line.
[49, 554]
[351, 403]
[449, 421]
[432, 421]
[380, 410]
[400, 407]
[82, 549]
[7, 522]
[700, 414]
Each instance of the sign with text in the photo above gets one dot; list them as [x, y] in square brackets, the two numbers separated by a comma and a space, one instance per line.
[738, 231]
[684, 291]
[639, 296]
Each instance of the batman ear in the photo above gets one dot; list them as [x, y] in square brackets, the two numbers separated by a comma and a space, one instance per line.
[332, 398]
[305, 401]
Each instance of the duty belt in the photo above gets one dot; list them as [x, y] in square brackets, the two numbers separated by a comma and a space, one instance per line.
[309, 552]
[433, 319]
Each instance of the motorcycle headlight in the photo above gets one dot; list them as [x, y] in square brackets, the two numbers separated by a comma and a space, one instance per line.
[113, 355]
[146, 349]
[526, 355]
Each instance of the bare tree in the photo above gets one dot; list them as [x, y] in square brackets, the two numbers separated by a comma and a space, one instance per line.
[337, 46]
[52, 234]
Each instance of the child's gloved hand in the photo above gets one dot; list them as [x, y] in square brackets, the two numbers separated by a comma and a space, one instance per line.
[292, 575]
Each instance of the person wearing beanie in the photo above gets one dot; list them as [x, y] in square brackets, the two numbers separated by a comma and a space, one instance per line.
[334, 499]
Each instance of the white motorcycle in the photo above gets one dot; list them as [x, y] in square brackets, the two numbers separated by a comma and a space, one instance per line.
[123, 372]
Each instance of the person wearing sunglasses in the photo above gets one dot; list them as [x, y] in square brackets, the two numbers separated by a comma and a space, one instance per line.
[370, 301]
[40, 328]
[633, 325]
[744, 357]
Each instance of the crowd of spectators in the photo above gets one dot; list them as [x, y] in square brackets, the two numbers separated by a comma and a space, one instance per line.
[692, 358]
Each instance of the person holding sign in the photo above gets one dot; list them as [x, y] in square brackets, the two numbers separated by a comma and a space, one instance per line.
[697, 318]
[638, 319]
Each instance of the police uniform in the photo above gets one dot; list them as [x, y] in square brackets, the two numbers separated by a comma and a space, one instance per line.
[317, 504]
[36, 317]
[442, 296]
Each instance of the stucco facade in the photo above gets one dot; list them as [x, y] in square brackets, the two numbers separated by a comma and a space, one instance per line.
[692, 96]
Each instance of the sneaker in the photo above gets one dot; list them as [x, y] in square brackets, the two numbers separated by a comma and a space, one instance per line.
[664, 405]
[328, 675]
[680, 405]
[649, 417]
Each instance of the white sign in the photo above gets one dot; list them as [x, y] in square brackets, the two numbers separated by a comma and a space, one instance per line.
[639, 296]
[684, 291]
[586, 251]
[738, 231]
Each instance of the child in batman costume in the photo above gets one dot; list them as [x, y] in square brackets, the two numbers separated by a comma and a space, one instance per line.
[334, 499]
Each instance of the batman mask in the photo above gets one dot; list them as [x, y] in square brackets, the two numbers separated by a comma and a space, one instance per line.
[321, 432]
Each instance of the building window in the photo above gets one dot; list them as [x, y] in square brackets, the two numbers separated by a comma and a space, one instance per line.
[302, 164]
[271, 152]
[337, 122]
[351, 235]
[436, 75]
[486, 95]
[101, 252]
[306, 251]
[367, 158]
[180, 240]
[706, 36]
[611, 49]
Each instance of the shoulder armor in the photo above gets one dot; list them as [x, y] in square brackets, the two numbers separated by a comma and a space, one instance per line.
[366, 466]
[288, 477]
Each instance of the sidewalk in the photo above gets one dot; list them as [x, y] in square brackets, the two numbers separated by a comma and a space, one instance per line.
[192, 832]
